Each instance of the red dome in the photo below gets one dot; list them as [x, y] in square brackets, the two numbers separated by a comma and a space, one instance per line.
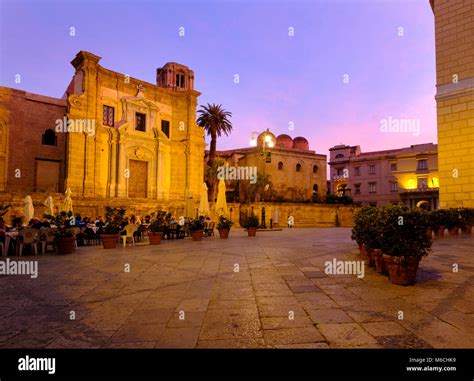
[301, 143]
[284, 141]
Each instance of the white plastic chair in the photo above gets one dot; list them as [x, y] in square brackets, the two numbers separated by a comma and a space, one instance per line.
[129, 229]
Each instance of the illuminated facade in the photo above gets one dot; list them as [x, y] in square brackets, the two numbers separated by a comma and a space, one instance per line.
[408, 175]
[295, 172]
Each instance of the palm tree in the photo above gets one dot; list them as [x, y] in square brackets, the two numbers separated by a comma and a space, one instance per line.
[215, 121]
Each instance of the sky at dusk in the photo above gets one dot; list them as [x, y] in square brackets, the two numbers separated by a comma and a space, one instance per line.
[282, 78]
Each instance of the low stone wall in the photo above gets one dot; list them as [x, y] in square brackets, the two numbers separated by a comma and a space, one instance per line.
[305, 215]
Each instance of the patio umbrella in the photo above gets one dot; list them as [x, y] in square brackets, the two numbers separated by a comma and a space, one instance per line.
[204, 202]
[189, 205]
[221, 203]
[29, 210]
[49, 206]
[67, 202]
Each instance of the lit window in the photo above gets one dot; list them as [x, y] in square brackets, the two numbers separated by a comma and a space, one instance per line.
[393, 186]
[356, 188]
[372, 187]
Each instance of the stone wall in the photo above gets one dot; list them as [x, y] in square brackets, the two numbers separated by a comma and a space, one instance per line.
[306, 215]
[454, 26]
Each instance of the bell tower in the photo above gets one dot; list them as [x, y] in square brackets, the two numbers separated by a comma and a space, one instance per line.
[175, 76]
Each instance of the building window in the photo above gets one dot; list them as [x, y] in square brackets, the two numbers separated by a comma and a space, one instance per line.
[339, 156]
[315, 169]
[422, 183]
[49, 138]
[108, 116]
[340, 171]
[356, 188]
[165, 127]
[372, 169]
[315, 188]
[280, 166]
[180, 80]
[140, 122]
[393, 186]
[357, 171]
[422, 164]
[372, 187]
[298, 167]
[393, 167]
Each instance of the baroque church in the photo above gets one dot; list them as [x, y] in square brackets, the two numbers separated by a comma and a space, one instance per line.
[112, 139]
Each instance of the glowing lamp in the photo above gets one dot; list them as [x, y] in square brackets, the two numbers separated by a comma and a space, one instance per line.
[411, 184]
[268, 138]
[271, 144]
[253, 142]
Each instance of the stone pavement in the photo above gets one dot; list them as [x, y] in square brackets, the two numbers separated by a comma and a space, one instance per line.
[190, 294]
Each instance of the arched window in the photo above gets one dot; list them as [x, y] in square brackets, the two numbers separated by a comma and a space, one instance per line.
[177, 80]
[339, 156]
[315, 188]
[182, 81]
[49, 138]
[315, 169]
[298, 167]
[280, 166]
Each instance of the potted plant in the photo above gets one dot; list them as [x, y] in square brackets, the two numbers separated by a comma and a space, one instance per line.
[155, 231]
[65, 241]
[196, 227]
[467, 220]
[111, 230]
[251, 224]
[223, 226]
[453, 221]
[404, 242]
[437, 221]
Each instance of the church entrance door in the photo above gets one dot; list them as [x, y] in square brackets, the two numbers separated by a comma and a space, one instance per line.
[138, 180]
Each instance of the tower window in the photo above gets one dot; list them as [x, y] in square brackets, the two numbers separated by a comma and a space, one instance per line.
[280, 166]
[140, 122]
[165, 127]
[49, 138]
[298, 167]
[339, 156]
[315, 169]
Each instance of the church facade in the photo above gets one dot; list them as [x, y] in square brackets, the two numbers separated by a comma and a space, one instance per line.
[112, 139]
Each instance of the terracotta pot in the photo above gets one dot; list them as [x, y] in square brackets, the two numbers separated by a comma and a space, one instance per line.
[363, 253]
[440, 231]
[155, 238]
[467, 229]
[370, 258]
[402, 272]
[109, 241]
[224, 233]
[66, 245]
[379, 262]
[454, 231]
[197, 235]
[251, 232]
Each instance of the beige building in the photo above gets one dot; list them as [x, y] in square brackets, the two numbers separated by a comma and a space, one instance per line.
[112, 139]
[408, 175]
[454, 32]
[296, 173]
